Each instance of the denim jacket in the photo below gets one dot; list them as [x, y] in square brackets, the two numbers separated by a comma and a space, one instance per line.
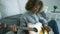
[29, 17]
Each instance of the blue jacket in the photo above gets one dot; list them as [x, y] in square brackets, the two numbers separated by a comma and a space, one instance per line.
[29, 17]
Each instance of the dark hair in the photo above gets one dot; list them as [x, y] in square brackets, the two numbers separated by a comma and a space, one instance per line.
[41, 4]
[33, 3]
[30, 4]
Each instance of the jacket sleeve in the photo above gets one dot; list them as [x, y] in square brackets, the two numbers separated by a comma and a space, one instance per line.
[22, 24]
[42, 18]
[43, 21]
[43, 14]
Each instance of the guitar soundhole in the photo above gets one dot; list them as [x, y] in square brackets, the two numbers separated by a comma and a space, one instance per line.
[26, 31]
[35, 30]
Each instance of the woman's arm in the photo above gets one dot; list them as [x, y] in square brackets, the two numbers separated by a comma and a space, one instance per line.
[22, 24]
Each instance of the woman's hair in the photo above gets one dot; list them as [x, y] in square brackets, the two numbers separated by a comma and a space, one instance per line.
[31, 3]
[41, 5]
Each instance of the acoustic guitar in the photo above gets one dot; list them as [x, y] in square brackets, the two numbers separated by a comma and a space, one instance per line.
[37, 28]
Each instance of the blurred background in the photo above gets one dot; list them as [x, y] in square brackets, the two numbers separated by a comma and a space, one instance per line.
[9, 8]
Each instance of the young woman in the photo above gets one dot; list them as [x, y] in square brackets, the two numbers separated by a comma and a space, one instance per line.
[32, 15]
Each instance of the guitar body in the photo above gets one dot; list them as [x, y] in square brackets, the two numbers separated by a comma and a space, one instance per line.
[39, 27]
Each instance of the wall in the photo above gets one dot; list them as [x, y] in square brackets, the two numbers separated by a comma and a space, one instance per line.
[0, 16]
[8, 7]
[51, 3]
[21, 4]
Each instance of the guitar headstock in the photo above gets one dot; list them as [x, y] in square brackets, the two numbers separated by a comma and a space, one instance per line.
[2, 25]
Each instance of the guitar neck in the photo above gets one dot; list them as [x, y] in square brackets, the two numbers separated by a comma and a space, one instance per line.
[18, 27]
[26, 28]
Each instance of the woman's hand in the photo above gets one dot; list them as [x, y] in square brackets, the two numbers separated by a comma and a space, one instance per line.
[12, 28]
[48, 28]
